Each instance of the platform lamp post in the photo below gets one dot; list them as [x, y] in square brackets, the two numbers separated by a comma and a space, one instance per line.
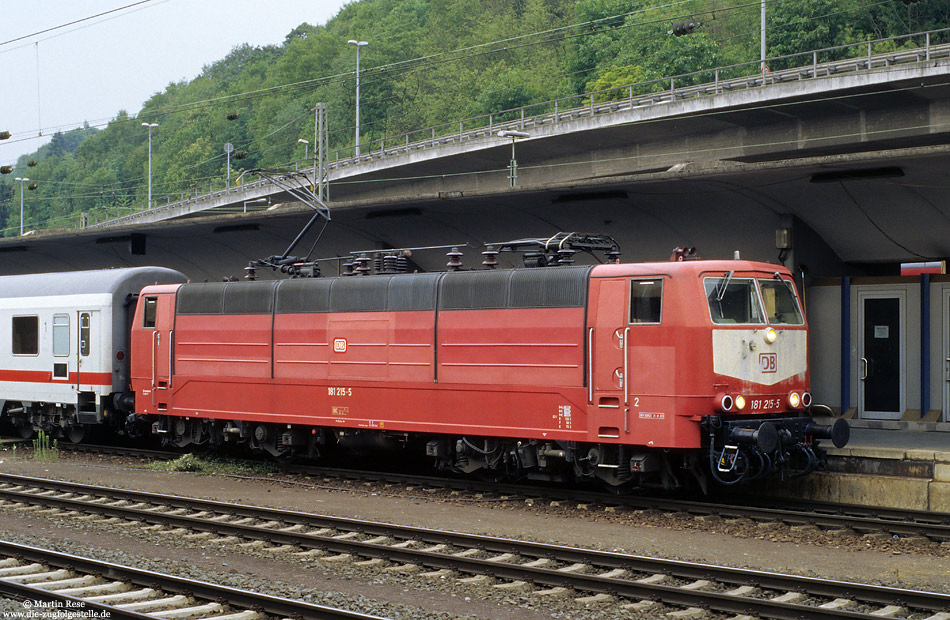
[513, 165]
[149, 125]
[22, 181]
[306, 147]
[358, 45]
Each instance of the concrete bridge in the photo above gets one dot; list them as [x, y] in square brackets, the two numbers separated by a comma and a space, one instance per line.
[826, 114]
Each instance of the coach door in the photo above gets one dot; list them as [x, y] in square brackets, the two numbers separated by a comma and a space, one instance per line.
[881, 354]
[605, 350]
[88, 351]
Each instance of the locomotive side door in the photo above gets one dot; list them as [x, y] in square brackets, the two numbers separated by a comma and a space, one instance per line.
[160, 316]
[606, 333]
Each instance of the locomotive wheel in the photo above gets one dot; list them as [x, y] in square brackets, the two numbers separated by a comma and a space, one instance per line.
[25, 429]
[284, 457]
[618, 489]
[77, 433]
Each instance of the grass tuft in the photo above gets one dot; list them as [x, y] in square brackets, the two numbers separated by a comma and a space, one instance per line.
[210, 466]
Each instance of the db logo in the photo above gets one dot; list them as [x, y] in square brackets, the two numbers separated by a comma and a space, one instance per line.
[339, 345]
[768, 362]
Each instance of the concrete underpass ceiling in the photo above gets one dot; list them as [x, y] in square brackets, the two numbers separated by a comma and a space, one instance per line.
[871, 213]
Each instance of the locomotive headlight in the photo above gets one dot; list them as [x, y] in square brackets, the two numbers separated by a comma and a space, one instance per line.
[725, 401]
[806, 399]
[740, 402]
[770, 335]
[794, 400]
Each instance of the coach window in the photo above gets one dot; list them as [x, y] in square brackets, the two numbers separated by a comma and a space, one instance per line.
[26, 335]
[151, 311]
[60, 335]
[84, 333]
[646, 301]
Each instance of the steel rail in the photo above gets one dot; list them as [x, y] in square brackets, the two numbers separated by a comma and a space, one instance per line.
[535, 571]
[26, 592]
[825, 515]
[273, 605]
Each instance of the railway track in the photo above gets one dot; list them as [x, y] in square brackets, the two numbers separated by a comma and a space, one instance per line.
[903, 523]
[54, 584]
[634, 583]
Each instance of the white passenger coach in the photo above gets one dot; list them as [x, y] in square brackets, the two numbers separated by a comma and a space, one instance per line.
[64, 346]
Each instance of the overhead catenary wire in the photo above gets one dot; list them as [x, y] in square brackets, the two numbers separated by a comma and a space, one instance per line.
[74, 22]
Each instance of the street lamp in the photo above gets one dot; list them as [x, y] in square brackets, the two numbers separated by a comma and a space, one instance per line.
[513, 166]
[358, 45]
[762, 36]
[228, 149]
[306, 147]
[149, 125]
[22, 181]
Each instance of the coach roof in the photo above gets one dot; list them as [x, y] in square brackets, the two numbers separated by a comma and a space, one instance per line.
[108, 281]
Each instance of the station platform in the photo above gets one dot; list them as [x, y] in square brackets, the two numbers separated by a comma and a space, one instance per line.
[892, 464]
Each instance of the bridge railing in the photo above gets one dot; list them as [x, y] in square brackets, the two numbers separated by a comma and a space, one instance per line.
[825, 62]
[879, 54]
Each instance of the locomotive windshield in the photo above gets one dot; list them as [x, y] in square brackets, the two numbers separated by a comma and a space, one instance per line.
[733, 300]
[736, 300]
[781, 307]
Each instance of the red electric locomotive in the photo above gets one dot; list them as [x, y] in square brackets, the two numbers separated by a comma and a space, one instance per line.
[634, 374]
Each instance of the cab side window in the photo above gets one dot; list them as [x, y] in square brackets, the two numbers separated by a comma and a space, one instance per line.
[151, 311]
[646, 301]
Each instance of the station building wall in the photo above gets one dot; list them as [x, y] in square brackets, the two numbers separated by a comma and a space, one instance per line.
[887, 356]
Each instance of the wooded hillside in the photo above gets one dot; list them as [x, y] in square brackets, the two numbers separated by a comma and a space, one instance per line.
[428, 62]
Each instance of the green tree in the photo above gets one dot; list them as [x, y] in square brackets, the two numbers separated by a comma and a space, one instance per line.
[618, 77]
[797, 26]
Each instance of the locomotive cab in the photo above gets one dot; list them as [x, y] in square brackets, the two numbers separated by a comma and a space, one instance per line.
[759, 339]
[706, 358]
